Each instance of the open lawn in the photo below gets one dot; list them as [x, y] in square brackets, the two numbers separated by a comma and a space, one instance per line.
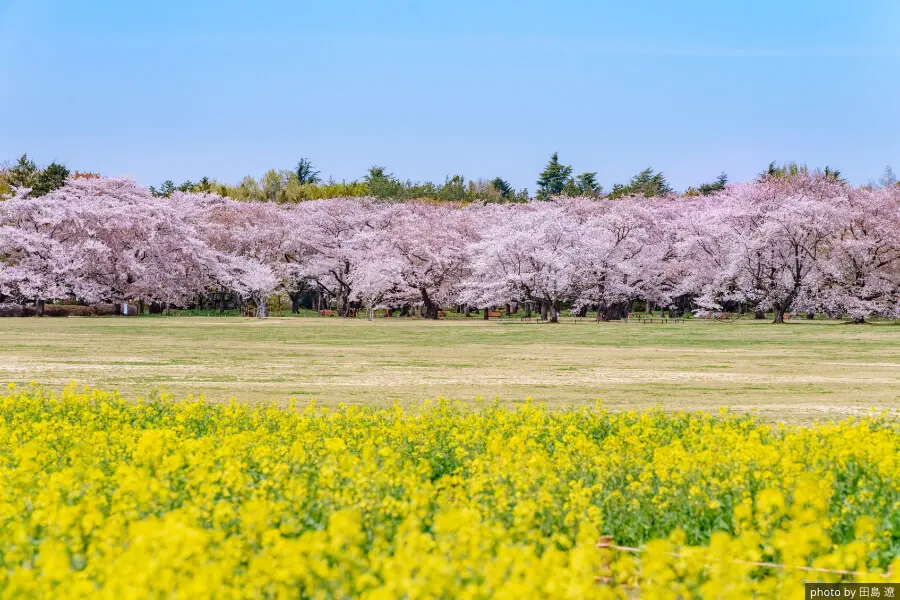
[800, 371]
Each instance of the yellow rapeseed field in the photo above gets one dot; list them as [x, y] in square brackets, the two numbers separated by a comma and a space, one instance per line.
[103, 497]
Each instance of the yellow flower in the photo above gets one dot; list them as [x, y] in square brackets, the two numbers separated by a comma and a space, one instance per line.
[105, 497]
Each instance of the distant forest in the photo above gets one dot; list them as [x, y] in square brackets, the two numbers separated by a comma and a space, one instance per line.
[305, 182]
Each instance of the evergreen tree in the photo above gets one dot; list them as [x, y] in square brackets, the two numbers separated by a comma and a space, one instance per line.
[51, 178]
[553, 179]
[785, 171]
[502, 186]
[305, 172]
[587, 185]
[165, 190]
[204, 185]
[24, 174]
[383, 184]
[707, 189]
[834, 174]
[647, 183]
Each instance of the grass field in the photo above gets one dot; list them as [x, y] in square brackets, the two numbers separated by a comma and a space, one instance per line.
[795, 372]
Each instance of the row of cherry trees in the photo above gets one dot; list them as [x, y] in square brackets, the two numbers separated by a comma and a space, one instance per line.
[805, 243]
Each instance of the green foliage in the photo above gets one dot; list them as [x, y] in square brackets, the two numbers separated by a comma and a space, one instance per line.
[454, 189]
[553, 179]
[833, 174]
[384, 185]
[785, 171]
[587, 185]
[23, 174]
[793, 169]
[504, 188]
[166, 189]
[708, 189]
[305, 172]
[718, 185]
[303, 183]
[274, 185]
[204, 185]
[647, 183]
[51, 178]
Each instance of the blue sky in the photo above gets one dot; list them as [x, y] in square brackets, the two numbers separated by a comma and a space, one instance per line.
[178, 90]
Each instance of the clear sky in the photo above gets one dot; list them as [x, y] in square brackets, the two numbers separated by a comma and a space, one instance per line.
[181, 89]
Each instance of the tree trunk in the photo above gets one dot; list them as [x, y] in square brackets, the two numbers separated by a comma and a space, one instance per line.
[760, 315]
[487, 311]
[508, 309]
[295, 302]
[528, 309]
[544, 309]
[779, 315]
[608, 312]
[344, 302]
[810, 315]
[429, 309]
[467, 310]
[554, 311]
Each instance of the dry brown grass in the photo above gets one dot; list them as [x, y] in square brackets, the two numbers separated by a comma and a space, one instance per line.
[796, 372]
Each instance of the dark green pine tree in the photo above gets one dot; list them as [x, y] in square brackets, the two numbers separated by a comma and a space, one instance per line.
[51, 178]
[165, 190]
[647, 183]
[305, 172]
[502, 186]
[553, 179]
[587, 185]
[707, 189]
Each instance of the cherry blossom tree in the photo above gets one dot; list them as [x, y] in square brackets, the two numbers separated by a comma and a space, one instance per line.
[33, 265]
[525, 254]
[614, 253]
[262, 233]
[328, 234]
[781, 230]
[427, 246]
[803, 242]
[861, 269]
[110, 240]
